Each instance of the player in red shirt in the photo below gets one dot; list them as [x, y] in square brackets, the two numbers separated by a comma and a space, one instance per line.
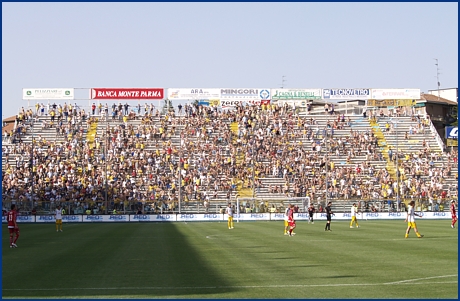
[13, 226]
[291, 221]
[454, 214]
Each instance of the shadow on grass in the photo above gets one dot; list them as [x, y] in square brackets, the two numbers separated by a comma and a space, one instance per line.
[107, 261]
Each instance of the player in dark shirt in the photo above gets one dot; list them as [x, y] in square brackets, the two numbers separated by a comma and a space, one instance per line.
[329, 214]
[311, 210]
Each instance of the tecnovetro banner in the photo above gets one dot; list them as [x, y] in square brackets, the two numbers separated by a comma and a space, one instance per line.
[231, 97]
[127, 93]
[395, 93]
[193, 93]
[48, 93]
[346, 94]
[295, 94]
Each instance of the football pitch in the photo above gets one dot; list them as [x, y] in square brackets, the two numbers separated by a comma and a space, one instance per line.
[253, 260]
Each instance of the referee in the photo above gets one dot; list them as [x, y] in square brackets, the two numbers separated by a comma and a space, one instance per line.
[329, 214]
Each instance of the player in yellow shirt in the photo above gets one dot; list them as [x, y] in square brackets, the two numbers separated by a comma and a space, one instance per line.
[410, 219]
[354, 212]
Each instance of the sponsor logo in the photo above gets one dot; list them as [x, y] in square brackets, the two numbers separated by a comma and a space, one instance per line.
[141, 217]
[264, 94]
[439, 214]
[211, 216]
[398, 214]
[346, 215]
[256, 215]
[93, 218]
[303, 215]
[239, 92]
[118, 217]
[71, 217]
[372, 214]
[453, 133]
[45, 218]
[279, 215]
[24, 218]
[163, 217]
[67, 92]
[29, 93]
[187, 216]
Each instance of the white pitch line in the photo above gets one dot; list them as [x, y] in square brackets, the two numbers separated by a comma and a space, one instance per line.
[417, 279]
[241, 286]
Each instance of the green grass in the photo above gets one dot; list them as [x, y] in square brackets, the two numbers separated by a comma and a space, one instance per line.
[254, 260]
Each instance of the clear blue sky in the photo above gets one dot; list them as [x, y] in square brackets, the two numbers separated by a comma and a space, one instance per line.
[226, 45]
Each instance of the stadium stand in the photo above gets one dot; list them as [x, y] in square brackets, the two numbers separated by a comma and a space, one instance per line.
[61, 154]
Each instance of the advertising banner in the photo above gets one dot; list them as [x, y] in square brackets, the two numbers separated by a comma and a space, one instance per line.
[95, 218]
[295, 94]
[395, 93]
[25, 219]
[48, 93]
[127, 93]
[234, 97]
[452, 132]
[346, 94]
[193, 93]
[391, 102]
[152, 218]
[45, 219]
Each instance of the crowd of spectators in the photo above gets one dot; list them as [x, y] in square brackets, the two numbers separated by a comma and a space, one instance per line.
[209, 151]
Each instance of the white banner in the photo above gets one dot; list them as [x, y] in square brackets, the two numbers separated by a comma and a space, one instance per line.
[295, 94]
[232, 97]
[223, 217]
[25, 219]
[193, 93]
[395, 94]
[51, 93]
[346, 94]
[152, 218]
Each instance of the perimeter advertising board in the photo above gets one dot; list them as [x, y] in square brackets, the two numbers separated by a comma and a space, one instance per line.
[193, 93]
[127, 93]
[295, 94]
[233, 97]
[48, 93]
[219, 217]
[346, 94]
[395, 94]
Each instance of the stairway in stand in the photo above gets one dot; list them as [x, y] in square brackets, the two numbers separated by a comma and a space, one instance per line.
[383, 147]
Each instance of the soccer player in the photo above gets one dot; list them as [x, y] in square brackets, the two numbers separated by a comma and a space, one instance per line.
[311, 210]
[286, 220]
[329, 214]
[291, 220]
[13, 226]
[453, 212]
[229, 212]
[58, 217]
[354, 211]
[410, 219]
